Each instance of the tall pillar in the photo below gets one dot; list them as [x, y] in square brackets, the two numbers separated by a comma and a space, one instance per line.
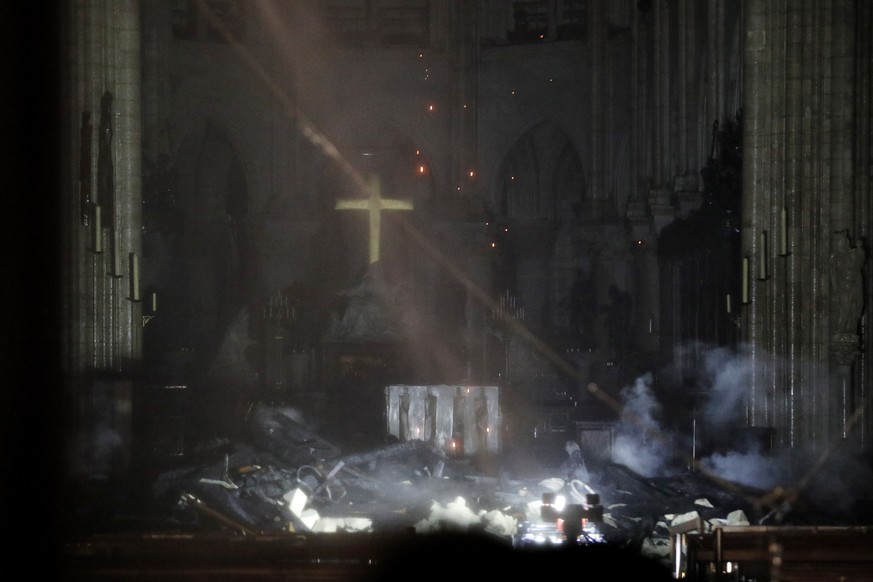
[463, 103]
[536, 245]
[102, 327]
[757, 157]
[661, 70]
[640, 154]
[157, 39]
[846, 210]
[597, 88]
[798, 176]
[128, 173]
[689, 157]
[863, 428]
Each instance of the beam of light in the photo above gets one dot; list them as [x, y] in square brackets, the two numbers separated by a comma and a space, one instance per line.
[330, 150]
[321, 142]
[307, 128]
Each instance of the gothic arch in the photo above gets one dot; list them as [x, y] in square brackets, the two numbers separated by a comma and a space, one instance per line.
[537, 197]
[208, 264]
[540, 175]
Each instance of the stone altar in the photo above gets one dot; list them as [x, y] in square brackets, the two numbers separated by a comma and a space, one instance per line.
[457, 419]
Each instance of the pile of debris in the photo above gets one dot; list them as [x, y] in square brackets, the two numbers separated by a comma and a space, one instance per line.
[285, 478]
[289, 479]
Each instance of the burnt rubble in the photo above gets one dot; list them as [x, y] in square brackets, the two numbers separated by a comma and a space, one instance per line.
[284, 478]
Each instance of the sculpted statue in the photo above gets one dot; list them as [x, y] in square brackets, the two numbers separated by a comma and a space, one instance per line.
[366, 314]
[847, 284]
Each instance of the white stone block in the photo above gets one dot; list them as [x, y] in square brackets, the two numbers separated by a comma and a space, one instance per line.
[309, 517]
[296, 500]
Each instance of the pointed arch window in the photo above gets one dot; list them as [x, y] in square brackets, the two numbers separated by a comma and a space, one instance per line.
[545, 20]
[379, 22]
[190, 21]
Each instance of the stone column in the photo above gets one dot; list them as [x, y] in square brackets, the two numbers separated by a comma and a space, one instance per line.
[157, 39]
[661, 138]
[536, 245]
[463, 104]
[863, 175]
[688, 154]
[788, 230]
[103, 328]
[128, 169]
[799, 63]
[645, 286]
[597, 88]
[757, 158]
[846, 209]
[640, 154]
[466, 264]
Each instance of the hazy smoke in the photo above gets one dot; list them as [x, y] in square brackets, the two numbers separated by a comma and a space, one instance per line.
[753, 469]
[726, 446]
[96, 451]
[727, 377]
[639, 442]
[830, 480]
[734, 451]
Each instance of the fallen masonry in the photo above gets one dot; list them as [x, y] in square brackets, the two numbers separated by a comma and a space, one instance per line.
[287, 487]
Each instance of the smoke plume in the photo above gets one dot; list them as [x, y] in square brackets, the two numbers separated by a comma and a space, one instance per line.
[639, 442]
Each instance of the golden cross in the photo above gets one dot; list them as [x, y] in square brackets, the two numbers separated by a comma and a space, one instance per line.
[374, 204]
